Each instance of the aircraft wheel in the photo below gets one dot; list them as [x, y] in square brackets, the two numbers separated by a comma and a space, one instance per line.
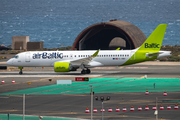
[83, 72]
[20, 72]
[88, 71]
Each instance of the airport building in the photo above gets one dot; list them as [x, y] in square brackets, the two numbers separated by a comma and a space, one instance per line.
[19, 42]
[23, 43]
[34, 45]
[109, 35]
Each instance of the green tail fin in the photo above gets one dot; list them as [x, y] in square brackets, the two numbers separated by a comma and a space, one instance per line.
[150, 46]
[154, 41]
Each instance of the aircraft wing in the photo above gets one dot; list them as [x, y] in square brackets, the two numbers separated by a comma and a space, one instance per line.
[84, 61]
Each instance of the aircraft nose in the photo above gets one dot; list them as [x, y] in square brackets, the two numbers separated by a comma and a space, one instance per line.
[9, 62]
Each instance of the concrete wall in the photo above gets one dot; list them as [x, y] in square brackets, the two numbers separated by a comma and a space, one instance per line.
[19, 42]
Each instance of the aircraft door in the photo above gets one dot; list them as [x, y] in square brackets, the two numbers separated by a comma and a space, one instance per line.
[27, 57]
[132, 55]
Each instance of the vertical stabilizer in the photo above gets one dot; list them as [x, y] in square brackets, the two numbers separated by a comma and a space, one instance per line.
[154, 41]
[151, 46]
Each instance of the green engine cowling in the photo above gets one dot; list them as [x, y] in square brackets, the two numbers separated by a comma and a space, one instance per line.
[62, 67]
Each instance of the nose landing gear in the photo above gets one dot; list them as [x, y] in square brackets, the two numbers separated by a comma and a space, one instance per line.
[20, 72]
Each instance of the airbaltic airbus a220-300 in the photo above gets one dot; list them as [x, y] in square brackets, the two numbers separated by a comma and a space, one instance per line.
[65, 61]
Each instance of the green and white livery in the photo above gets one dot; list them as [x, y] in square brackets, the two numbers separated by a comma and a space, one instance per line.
[65, 61]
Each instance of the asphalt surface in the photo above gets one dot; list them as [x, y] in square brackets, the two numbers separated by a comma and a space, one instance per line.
[74, 106]
[166, 71]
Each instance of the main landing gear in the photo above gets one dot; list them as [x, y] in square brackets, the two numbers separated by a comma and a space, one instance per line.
[20, 72]
[87, 71]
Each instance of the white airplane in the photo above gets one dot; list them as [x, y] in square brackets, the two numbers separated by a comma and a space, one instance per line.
[65, 61]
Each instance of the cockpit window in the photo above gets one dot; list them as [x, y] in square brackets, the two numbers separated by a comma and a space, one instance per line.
[16, 56]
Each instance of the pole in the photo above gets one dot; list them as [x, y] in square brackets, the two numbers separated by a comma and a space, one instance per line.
[91, 102]
[102, 109]
[23, 106]
[8, 115]
[156, 108]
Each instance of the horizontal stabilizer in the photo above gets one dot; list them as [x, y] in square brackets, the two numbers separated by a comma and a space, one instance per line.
[153, 54]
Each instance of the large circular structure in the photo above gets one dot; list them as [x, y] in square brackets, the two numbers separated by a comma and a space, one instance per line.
[109, 35]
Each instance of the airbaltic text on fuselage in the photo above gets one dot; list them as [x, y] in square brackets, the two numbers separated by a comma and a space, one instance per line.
[47, 55]
[153, 45]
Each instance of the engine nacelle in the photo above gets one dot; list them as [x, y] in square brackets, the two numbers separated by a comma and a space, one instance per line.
[62, 67]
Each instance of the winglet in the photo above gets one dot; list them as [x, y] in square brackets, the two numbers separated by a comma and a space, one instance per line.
[95, 54]
[118, 48]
